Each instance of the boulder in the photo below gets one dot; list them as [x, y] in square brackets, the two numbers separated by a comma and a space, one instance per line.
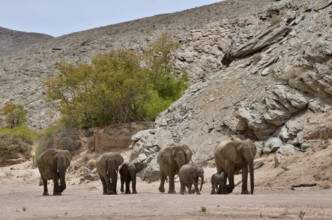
[117, 136]
[272, 145]
[286, 149]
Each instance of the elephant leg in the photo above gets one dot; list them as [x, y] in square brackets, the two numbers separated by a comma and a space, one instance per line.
[245, 180]
[223, 186]
[162, 182]
[114, 183]
[213, 191]
[219, 187]
[230, 187]
[103, 181]
[171, 188]
[189, 189]
[122, 183]
[196, 187]
[45, 188]
[128, 187]
[133, 185]
[182, 189]
[56, 187]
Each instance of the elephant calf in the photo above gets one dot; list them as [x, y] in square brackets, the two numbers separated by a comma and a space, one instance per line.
[189, 175]
[128, 173]
[217, 182]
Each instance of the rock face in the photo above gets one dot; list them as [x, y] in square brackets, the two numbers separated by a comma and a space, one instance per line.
[263, 73]
[115, 136]
[275, 74]
[22, 75]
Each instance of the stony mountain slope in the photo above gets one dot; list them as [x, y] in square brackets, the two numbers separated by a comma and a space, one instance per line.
[257, 72]
[22, 74]
[13, 41]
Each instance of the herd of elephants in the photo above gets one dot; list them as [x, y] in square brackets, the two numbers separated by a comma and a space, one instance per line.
[230, 157]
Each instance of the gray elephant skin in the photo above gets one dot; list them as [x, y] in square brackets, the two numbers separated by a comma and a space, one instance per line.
[217, 183]
[128, 173]
[108, 166]
[189, 175]
[233, 155]
[52, 165]
[170, 160]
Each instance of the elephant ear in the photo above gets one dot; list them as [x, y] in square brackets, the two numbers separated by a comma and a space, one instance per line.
[68, 157]
[193, 173]
[174, 151]
[48, 157]
[118, 159]
[139, 166]
[187, 151]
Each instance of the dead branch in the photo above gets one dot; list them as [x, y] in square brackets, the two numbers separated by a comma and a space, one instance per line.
[305, 185]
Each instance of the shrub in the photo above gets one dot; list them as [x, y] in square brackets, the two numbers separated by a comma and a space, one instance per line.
[15, 114]
[22, 132]
[16, 142]
[12, 146]
[117, 87]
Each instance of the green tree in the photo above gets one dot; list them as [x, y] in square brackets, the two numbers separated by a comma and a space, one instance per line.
[116, 87]
[169, 82]
[15, 114]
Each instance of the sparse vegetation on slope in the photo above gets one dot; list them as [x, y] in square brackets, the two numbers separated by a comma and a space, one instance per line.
[119, 86]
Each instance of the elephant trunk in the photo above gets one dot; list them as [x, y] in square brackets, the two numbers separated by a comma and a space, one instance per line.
[251, 171]
[62, 167]
[111, 178]
[202, 182]
[62, 180]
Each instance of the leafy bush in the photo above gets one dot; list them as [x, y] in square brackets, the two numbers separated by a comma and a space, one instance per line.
[117, 87]
[15, 114]
[22, 131]
[12, 146]
[15, 142]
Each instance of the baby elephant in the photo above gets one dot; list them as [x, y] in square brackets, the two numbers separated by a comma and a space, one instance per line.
[189, 175]
[217, 182]
[128, 173]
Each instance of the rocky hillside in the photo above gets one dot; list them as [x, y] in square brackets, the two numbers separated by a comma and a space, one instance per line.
[263, 73]
[22, 74]
[13, 41]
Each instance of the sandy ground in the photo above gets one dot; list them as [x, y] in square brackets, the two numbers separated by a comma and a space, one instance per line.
[21, 198]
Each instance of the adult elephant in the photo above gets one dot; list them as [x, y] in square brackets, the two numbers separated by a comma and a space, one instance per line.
[170, 160]
[107, 166]
[233, 155]
[189, 175]
[52, 165]
[128, 173]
